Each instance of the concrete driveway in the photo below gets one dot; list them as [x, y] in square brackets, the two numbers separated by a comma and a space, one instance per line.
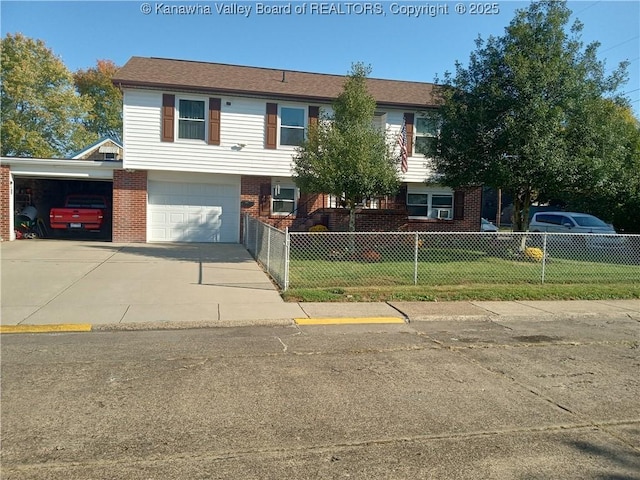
[53, 282]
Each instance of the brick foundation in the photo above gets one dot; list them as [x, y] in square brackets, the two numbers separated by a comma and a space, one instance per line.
[129, 206]
[5, 201]
[393, 220]
[312, 211]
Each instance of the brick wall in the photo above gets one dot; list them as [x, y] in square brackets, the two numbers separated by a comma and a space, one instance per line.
[372, 220]
[129, 206]
[5, 195]
[311, 212]
[301, 220]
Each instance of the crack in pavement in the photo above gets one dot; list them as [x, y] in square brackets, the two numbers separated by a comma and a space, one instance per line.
[320, 448]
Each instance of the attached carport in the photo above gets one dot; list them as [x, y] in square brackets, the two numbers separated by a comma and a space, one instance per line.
[44, 183]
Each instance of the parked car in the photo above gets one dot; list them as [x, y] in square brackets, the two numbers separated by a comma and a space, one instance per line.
[571, 222]
[487, 226]
[568, 222]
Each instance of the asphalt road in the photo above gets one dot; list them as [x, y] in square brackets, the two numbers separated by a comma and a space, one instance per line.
[520, 399]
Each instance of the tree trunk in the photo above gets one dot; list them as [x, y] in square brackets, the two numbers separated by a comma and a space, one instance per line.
[352, 228]
[521, 205]
[352, 218]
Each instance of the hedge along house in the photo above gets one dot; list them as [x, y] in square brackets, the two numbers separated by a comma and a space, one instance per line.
[206, 142]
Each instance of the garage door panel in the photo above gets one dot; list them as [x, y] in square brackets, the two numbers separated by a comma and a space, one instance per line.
[188, 212]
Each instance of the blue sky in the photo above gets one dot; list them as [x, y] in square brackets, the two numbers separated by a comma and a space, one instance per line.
[396, 45]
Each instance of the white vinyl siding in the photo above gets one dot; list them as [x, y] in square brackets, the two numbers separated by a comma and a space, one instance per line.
[241, 123]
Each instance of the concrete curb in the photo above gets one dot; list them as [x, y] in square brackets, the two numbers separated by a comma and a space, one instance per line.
[56, 328]
[295, 322]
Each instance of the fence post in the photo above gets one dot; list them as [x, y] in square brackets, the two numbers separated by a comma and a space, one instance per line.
[415, 259]
[256, 240]
[269, 250]
[544, 254]
[245, 233]
[287, 249]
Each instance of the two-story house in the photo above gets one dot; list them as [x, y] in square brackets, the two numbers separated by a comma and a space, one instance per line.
[205, 143]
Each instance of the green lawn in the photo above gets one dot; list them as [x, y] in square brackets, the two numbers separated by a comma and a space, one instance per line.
[441, 266]
[408, 293]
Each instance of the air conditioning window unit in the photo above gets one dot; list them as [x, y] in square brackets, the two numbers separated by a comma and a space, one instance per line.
[443, 213]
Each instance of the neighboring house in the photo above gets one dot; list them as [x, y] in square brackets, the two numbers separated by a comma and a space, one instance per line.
[205, 143]
[106, 149]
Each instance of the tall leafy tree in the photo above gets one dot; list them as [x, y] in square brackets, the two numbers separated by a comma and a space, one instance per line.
[607, 176]
[42, 114]
[509, 119]
[344, 154]
[105, 115]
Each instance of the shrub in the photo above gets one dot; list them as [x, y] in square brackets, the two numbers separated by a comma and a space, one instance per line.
[318, 228]
[370, 255]
[533, 253]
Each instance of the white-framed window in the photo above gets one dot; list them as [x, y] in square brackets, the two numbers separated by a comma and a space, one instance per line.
[292, 125]
[191, 119]
[426, 130]
[430, 203]
[380, 121]
[283, 199]
[334, 201]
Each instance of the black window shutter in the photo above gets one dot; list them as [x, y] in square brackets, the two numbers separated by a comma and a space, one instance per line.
[265, 199]
[458, 205]
[401, 198]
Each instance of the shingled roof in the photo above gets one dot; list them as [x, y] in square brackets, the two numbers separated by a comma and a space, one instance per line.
[233, 79]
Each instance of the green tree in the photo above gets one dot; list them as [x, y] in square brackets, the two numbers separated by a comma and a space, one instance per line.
[509, 119]
[344, 154]
[105, 115]
[42, 115]
[607, 178]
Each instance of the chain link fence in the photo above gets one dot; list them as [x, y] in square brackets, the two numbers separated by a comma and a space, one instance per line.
[333, 259]
[268, 245]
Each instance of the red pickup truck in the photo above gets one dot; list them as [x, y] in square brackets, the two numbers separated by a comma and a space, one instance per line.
[80, 212]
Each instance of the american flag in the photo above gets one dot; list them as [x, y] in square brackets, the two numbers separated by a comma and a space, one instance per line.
[402, 142]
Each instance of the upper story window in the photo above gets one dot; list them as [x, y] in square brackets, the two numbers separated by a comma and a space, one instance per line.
[292, 124]
[427, 203]
[425, 133]
[380, 121]
[191, 119]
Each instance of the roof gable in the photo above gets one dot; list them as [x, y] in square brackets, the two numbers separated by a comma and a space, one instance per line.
[95, 146]
[234, 79]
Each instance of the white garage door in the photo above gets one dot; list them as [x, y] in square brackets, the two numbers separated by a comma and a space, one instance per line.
[193, 212]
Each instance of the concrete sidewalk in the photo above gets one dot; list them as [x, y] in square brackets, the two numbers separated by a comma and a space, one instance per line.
[101, 286]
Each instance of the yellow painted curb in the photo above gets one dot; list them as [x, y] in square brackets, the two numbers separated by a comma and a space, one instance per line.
[347, 320]
[59, 328]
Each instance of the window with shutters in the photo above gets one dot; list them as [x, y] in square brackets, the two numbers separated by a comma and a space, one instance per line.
[283, 199]
[292, 125]
[426, 131]
[427, 202]
[191, 119]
